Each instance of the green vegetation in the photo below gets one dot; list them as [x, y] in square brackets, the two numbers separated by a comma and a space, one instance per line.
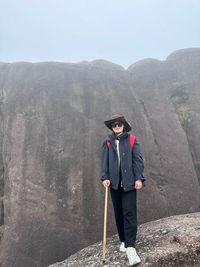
[25, 113]
[179, 89]
[179, 97]
[1, 103]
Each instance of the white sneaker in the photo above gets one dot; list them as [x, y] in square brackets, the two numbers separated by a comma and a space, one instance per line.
[132, 256]
[122, 247]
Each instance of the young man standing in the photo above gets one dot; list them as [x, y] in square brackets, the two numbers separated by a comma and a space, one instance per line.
[121, 170]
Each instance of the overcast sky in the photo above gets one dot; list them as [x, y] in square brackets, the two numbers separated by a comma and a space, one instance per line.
[121, 31]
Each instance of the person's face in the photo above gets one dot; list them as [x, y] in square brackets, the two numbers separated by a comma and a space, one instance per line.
[117, 127]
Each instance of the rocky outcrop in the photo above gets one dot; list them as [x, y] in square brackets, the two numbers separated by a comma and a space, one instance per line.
[51, 131]
[172, 241]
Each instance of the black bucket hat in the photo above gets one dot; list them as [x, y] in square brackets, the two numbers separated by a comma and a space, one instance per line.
[118, 118]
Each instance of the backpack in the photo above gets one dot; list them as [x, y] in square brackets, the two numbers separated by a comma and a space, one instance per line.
[132, 141]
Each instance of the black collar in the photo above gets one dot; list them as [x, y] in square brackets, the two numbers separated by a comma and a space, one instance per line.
[122, 136]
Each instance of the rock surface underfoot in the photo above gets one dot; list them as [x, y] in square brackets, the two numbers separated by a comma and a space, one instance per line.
[171, 241]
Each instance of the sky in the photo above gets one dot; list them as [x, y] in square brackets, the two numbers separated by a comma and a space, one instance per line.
[120, 31]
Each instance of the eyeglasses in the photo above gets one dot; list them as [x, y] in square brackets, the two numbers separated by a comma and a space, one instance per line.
[115, 124]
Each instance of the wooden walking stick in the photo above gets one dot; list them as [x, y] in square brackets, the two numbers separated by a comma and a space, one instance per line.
[105, 223]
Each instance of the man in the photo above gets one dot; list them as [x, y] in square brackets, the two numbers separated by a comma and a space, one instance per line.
[121, 170]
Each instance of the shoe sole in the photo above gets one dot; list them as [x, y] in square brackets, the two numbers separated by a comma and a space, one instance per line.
[134, 263]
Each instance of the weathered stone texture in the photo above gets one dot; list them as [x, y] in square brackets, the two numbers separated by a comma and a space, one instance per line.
[170, 242]
[51, 131]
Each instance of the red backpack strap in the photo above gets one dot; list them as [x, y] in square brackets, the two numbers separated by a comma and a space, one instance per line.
[108, 143]
[132, 140]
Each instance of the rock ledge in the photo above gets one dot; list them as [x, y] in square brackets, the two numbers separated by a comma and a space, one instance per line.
[171, 241]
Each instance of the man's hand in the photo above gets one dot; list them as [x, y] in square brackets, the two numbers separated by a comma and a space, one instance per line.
[106, 183]
[138, 184]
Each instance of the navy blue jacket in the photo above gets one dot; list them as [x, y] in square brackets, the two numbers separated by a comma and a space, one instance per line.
[131, 162]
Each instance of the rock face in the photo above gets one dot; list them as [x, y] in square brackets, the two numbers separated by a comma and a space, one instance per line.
[172, 241]
[51, 131]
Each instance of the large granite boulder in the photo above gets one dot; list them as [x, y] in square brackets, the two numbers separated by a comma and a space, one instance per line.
[51, 131]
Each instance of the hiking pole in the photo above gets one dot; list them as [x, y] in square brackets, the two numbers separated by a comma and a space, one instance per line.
[105, 222]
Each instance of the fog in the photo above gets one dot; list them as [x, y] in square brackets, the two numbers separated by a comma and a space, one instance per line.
[119, 31]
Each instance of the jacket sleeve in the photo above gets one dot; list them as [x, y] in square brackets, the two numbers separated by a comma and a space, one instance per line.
[105, 162]
[138, 165]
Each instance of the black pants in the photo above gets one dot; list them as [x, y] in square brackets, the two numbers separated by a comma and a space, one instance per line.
[125, 209]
